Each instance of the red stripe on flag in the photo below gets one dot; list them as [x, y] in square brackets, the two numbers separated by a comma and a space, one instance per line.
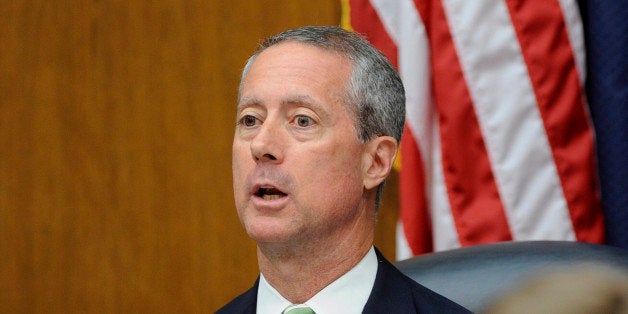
[365, 21]
[473, 194]
[561, 104]
[414, 214]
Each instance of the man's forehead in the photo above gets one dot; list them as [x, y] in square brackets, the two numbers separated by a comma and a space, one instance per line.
[294, 65]
[294, 51]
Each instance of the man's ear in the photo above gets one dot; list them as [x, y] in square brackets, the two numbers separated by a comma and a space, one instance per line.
[379, 157]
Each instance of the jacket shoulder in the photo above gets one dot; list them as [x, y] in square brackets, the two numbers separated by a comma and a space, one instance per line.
[395, 292]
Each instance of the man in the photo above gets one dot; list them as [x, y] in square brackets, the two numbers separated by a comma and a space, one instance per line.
[320, 115]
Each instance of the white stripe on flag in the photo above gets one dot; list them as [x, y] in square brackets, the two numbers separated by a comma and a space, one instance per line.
[575, 32]
[403, 248]
[444, 232]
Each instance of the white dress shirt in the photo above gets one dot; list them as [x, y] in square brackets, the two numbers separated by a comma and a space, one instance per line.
[347, 294]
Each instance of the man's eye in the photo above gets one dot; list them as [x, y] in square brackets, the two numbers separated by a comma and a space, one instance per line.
[304, 121]
[248, 121]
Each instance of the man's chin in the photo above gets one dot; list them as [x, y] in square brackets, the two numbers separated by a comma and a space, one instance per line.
[269, 232]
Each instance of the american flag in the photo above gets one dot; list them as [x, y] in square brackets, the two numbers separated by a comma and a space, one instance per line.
[498, 143]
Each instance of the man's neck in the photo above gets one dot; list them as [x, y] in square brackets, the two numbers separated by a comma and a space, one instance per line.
[299, 273]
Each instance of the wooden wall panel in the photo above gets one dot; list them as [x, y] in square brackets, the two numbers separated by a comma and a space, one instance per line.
[116, 121]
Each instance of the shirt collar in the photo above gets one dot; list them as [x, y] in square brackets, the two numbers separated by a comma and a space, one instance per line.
[347, 294]
[269, 300]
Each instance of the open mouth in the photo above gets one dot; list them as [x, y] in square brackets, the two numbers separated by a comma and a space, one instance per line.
[269, 193]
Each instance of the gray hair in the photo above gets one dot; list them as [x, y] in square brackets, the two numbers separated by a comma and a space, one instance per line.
[375, 93]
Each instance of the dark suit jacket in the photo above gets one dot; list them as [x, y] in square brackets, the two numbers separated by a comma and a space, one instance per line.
[393, 292]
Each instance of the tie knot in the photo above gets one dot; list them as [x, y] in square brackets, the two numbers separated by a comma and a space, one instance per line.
[298, 309]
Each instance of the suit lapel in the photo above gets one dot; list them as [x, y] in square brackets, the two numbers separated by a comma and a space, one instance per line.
[388, 294]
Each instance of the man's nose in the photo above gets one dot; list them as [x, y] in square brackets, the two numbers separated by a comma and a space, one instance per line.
[267, 144]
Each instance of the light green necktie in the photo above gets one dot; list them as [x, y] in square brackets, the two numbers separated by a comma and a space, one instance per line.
[298, 310]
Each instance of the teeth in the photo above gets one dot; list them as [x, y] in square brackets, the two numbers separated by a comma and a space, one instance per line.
[270, 197]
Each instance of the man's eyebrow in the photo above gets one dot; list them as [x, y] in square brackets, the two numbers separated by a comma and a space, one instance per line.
[304, 100]
[248, 102]
[293, 100]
